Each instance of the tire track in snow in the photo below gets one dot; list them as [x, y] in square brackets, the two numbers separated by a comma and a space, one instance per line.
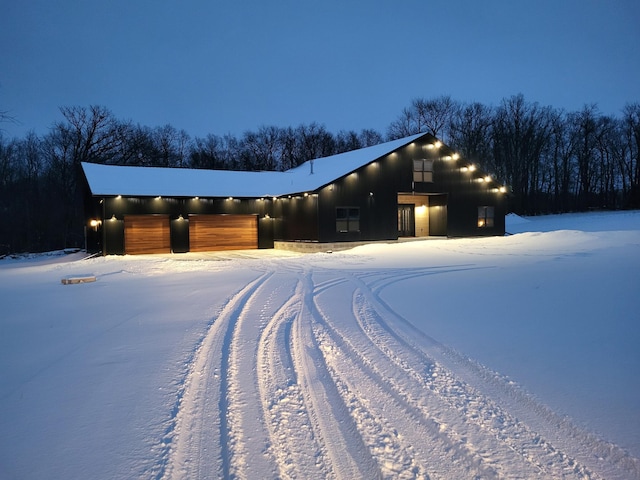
[199, 446]
[466, 418]
[342, 445]
[468, 439]
[293, 443]
[404, 438]
[581, 454]
[476, 409]
[299, 378]
[247, 433]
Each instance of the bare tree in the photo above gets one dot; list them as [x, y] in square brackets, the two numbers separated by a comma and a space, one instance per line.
[470, 131]
[584, 129]
[436, 115]
[165, 141]
[6, 118]
[183, 147]
[207, 152]
[432, 116]
[314, 141]
[8, 191]
[562, 152]
[369, 137]
[347, 141]
[262, 150]
[289, 148]
[403, 126]
[520, 134]
[630, 161]
[91, 133]
[607, 152]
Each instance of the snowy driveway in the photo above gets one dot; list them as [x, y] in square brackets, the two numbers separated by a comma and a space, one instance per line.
[310, 366]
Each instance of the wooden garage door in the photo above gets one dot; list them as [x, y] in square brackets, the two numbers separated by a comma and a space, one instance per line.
[222, 232]
[147, 234]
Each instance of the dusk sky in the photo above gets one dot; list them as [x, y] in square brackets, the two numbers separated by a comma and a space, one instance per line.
[219, 67]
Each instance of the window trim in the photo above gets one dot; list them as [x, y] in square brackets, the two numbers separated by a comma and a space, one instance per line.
[351, 217]
[486, 216]
[423, 170]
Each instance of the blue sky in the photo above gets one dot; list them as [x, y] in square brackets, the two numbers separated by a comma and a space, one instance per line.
[220, 67]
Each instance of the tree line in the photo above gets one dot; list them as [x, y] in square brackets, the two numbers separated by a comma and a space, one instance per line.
[551, 160]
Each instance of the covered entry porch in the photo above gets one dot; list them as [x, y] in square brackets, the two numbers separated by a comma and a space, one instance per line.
[422, 215]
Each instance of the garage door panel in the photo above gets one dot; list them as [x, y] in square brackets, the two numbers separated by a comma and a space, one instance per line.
[147, 234]
[222, 232]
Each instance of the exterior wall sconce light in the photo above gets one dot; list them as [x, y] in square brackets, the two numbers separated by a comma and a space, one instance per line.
[371, 194]
[472, 168]
[266, 215]
[180, 217]
[306, 194]
[158, 197]
[503, 189]
[455, 156]
[464, 169]
[94, 223]
[230, 198]
[196, 198]
[438, 144]
[487, 178]
[113, 217]
[118, 197]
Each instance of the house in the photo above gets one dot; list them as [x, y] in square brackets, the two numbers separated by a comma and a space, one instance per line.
[411, 187]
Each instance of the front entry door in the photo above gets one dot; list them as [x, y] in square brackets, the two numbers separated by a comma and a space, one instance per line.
[406, 220]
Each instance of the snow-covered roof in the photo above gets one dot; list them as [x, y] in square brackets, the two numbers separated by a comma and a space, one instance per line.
[114, 180]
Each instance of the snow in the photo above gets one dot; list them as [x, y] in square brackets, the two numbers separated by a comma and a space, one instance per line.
[183, 182]
[506, 357]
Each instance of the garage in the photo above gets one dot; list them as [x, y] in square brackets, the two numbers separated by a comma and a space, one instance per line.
[222, 232]
[146, 234]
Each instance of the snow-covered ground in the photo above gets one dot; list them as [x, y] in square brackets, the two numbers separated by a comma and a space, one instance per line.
[511, 357]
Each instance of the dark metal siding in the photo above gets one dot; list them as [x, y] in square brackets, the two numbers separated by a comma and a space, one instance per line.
[298, 218]
[115, 208]
[113, 236]
[454, 198]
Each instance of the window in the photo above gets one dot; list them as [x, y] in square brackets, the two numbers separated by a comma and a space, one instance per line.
[423, 170]
[485, 217]
[347, 219]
